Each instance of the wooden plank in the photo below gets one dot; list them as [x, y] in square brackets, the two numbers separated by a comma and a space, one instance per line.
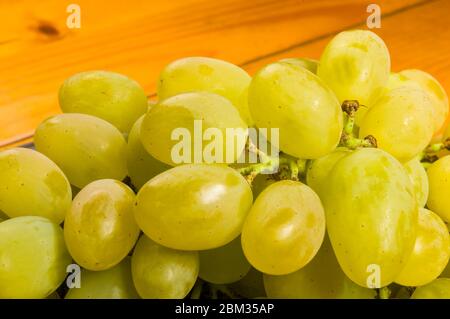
[417, 38]
[137, 38]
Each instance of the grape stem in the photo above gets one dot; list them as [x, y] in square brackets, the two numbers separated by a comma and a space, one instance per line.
[429, 155]
[288, 167]
[222, 289]
[348, 139]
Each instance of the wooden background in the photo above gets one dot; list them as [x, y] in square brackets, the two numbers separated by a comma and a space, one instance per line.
[137, 38]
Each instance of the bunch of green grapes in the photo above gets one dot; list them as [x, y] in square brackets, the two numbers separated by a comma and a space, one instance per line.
[348, 194]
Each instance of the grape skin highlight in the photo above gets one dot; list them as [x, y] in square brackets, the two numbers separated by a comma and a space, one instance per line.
[438, 97]
[419, 179]
[284, 229]
[85, 147]
[208, 211]
[178, 113]
[162, 273]
[369, 197]
[31, 184]
[439, 182]
[208, 75]
[431, 251]
[114, 283]
[107, 95]
[401, 121]
[34, 257]
[355, 65]
[100, 229]
[288, 97]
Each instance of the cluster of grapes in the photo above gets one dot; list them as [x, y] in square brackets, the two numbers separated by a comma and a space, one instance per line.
[341, 213]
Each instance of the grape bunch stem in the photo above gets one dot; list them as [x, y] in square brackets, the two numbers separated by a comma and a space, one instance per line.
[348, 139]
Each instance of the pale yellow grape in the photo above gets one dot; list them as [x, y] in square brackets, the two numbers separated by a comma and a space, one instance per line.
[288, 97]
[141, 165]
[431, 251]
[284, 229]
[85, 147]
[419, 179]
[161, 272]
[371, 213]
[33, 257]
[401, 121]
[251, 286]
[309, 64]
[31, 184]
[194, 207]
[224, 265]
[114, 283]
[322, 278]
[107, 95]
[319, 169]
[439, 183]
[100, 229]
[206, 74]
[437, 94]
[438, 289]
[168, 130]
[355, 65]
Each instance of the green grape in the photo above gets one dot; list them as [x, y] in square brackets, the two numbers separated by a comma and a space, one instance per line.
[100, 229]
[318, 170]
[114, 283]
[141, 165]
[287, 97]
[355, 65]
[284, 229]
[85, 147]
[194, 207]
[251, 286]
[309, 64]
[209, 75]
[31, 184]
[176, 130]
[438, 289]
[33, 257]
[430, 254]
[401, 121]
[439, 183]
[322, 278]
[225, 264]
[419, 179]
[161, 272]
[435, 91]
[107, 95]
[371, 216]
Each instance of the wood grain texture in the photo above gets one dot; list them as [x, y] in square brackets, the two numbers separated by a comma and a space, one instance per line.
[137, 38]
